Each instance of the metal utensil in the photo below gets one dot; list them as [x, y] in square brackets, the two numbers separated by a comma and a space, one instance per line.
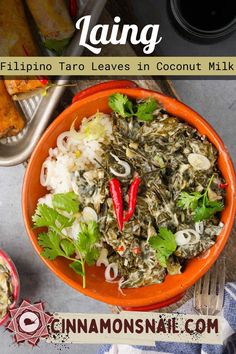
[38, 109]
[209, 290]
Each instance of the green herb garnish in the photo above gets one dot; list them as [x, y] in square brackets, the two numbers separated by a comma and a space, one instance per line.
[67, 202]
[145, 109]
[199, 204]
[49, 217]
[55, 243]
[86, 241]
[164, 244]
[54, 246]
[125, 108]
[121, 104]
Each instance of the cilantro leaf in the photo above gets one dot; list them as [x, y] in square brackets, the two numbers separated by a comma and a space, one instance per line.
[121, 104]
[86, 241]
[92, 255]
[49, 217]
[188, 200]
[77, 268]
[125, 108]
[68, 247]
[199, 204]
[51, 245]
[66, 201]
[207, 209]
[56, 244]
[164, 243]
[145, 110]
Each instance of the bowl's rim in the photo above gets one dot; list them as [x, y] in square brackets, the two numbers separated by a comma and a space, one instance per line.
[170, 104]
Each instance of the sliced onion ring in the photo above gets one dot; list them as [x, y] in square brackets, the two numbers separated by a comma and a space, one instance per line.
[199, 227]
[89, 214]
[103, 258]
[45, 175]
[124, 164]
[111, 267]
[187, 236]
[182, 238]
[75, 135]
[61, 141]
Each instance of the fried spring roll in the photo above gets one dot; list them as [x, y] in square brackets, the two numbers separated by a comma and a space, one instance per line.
[15, 35]
[15, 87]
[11, 122]
[54, 23]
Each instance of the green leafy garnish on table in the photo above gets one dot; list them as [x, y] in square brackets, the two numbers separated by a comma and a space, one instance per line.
[200, 204]
[164, 243]
[55, 243]
[126, 108]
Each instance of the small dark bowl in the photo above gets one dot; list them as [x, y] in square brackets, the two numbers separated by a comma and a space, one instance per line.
[197, 34]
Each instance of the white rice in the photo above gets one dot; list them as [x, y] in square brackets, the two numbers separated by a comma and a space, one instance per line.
[74, 153]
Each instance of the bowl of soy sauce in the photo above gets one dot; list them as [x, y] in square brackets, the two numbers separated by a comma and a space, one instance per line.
[204, 20]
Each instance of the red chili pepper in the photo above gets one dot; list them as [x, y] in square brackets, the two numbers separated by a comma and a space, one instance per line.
[133, 191]
[116, 194]
[73, 8]
[223, 185]
[120, 249]
[137, 250]
[43, 79]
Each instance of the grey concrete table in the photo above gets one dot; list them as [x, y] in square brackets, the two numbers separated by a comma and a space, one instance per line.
[214, 99]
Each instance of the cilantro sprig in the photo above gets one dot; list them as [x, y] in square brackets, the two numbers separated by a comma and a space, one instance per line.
[55, 243]
[126, 108]
[66, 201]
[164, 243]
[200, 204]
[48, 217]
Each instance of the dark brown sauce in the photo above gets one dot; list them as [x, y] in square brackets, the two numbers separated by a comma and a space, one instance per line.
[208, 15]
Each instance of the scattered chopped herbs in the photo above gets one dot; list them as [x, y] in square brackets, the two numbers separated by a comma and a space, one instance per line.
[164, 243]
[55, 243]
[126, 108]
[200, 204]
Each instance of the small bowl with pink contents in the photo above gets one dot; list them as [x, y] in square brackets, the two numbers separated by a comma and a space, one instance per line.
[9, 286]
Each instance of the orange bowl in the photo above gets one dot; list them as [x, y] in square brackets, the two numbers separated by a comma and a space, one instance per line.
[97, 287]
